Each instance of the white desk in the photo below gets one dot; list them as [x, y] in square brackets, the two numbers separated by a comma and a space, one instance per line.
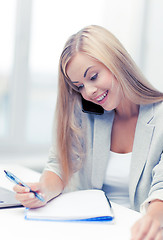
[14, 226]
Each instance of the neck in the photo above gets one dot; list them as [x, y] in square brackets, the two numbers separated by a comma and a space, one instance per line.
[127, 109]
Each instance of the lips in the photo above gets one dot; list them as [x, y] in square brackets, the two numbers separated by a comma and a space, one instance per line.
[102, 96]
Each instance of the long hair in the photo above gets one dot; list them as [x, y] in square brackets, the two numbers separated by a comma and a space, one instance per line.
[101, 45]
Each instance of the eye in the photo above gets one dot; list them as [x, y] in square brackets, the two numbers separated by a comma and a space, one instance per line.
[94, 76]
[80, 87]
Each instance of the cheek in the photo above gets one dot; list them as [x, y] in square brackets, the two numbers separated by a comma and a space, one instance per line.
[114, 85]
[107, 80]
[84, 95]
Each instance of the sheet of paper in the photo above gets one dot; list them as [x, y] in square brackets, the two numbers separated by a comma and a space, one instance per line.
[75, 205]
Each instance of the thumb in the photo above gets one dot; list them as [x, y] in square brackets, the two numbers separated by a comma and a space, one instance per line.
[34, 186]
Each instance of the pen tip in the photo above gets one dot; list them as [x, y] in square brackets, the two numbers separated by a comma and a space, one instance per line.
[5, 171]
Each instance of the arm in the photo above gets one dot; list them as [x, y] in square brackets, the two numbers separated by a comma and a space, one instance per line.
[49, 186]
[150, 226]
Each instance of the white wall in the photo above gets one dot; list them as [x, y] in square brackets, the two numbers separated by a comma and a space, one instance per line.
[139, 26]
[153, 44]
[137, 23]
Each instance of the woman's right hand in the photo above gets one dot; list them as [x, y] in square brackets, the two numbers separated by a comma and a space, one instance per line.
[27, 198]
[49, 186]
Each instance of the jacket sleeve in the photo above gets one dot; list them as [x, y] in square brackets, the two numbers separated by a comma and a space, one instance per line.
[53, 163]
[156, 190]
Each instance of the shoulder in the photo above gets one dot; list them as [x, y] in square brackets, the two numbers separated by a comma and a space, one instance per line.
[158, 114]
[157, 122]
[151, 115]
[158, 109]
[152, 112]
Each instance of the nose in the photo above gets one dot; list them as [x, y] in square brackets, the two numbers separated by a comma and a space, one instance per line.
[90, 90]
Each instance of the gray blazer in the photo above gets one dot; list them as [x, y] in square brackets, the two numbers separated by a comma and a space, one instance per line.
[146, 172]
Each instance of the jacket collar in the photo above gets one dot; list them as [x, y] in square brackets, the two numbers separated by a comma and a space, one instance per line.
[101, 146]
[143, 137]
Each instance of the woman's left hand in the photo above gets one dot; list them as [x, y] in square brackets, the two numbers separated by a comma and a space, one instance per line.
[147, 228]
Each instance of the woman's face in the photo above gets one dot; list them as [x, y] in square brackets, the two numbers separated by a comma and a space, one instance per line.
[94, 81]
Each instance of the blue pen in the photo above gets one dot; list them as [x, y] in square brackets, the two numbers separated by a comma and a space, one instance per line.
[16, 180]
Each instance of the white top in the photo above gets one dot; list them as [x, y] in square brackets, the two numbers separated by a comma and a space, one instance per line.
[116, 182]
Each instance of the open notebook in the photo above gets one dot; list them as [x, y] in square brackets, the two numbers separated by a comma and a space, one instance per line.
[83, 205]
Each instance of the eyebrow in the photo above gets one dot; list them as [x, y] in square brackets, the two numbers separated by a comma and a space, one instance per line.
[75, 82]
[85, 74]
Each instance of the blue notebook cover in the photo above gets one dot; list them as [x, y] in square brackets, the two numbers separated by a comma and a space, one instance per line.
[84, 205]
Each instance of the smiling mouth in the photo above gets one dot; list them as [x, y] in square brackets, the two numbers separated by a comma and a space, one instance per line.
[102, 96]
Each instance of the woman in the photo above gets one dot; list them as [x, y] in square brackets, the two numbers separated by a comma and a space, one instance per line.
[108, 131]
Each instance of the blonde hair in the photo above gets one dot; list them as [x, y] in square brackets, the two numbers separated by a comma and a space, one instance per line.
[100, 44]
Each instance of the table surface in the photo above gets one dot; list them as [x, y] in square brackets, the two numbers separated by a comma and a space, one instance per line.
[14, 226]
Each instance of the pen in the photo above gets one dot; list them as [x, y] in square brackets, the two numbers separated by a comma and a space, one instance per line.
[16, 180]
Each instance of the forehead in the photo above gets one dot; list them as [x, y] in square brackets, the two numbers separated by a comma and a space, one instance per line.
[79, 64]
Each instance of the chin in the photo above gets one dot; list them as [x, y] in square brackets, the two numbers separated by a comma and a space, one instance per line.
[108, 108]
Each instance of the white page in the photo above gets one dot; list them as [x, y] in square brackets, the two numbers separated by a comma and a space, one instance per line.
[75, 205]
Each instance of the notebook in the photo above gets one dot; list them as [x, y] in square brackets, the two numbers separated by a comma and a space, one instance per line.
[83, 205]
[7, 199]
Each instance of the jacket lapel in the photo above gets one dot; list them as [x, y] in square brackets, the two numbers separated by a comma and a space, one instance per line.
[101, 147]
[141, 146]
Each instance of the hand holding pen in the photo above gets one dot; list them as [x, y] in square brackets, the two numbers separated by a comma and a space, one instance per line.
[27, 194]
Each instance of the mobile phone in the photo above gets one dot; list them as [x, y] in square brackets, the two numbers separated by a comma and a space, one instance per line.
[90, 107]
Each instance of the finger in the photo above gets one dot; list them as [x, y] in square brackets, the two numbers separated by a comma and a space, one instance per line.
[24, 196]
[32, 203]
[34, 186]
[159, 235]
[28, 196]
[135, 228]
[153, 231]
[142, 229]
[20, 189]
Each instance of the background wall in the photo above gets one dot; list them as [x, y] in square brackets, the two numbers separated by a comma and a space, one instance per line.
[33, 33]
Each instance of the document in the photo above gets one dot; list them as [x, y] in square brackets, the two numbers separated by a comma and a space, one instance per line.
[83, 205]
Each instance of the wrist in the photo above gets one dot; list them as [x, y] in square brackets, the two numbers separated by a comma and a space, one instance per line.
[155, 210]
[51, 185]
